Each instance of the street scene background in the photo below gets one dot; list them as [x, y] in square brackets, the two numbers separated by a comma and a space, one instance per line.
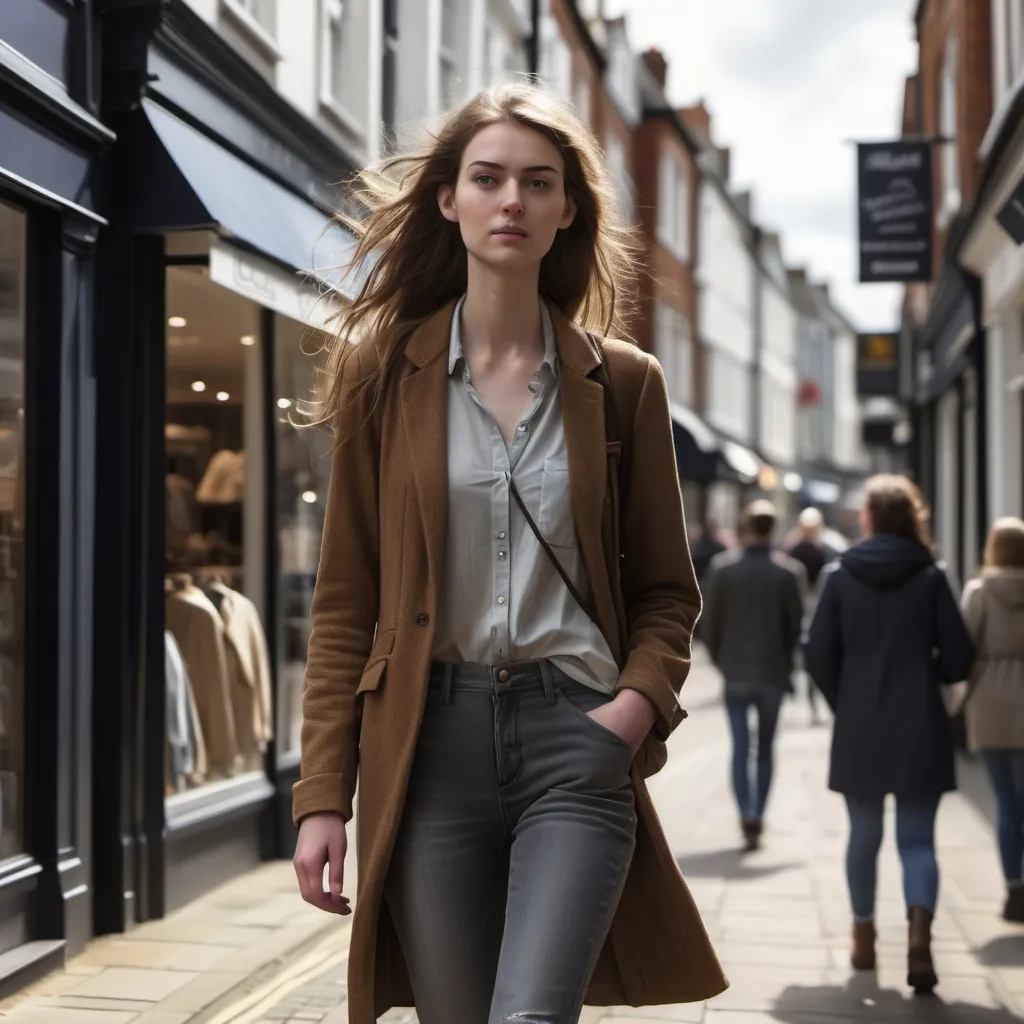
[828, 199]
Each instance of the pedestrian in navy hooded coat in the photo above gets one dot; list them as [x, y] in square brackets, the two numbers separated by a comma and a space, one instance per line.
[887, 633]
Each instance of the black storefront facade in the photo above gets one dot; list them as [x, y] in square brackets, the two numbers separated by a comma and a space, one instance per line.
[51, 140]
[946, 385]
[156, 208]
[214, 498]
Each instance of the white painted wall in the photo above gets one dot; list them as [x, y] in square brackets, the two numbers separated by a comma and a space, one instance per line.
[849, 452]
[724, 272]
[291, 53]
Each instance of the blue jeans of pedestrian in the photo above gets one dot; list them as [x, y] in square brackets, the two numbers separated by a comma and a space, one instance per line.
[915, 839]
[1006, 771]
[751, 782]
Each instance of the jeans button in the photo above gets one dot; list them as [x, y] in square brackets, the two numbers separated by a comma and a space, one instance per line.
[422, 619]
[503, 676]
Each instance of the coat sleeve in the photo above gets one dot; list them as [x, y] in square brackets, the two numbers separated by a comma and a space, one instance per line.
[823, 655]
[343, 614]
[972, 606]
[711, 616]
[955, 647]
[796, 590]
[659, 588]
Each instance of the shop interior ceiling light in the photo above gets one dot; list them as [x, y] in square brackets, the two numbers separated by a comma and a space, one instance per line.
[198, 385]
[309, 497]
[284, 403]
[176, 321]
[222, 396]
[247, 339]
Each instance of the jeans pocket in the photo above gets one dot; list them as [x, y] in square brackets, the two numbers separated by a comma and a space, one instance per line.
[577, 706]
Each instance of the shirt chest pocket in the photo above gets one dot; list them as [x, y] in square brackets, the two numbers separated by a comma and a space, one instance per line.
[556, 519]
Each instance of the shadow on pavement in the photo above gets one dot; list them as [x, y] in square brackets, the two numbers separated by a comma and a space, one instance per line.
[1006, 951]
[861, 999]
[733, 864]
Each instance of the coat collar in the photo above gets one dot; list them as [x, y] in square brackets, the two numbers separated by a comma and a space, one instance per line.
[432, 339]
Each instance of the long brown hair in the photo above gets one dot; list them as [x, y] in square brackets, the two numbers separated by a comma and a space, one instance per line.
[412, 260]
[1004, 548]
[895, 505]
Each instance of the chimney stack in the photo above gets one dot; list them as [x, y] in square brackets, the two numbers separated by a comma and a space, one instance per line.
[656, 65]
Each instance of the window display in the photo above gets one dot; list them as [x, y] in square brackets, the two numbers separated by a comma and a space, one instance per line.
[217, 668]
[303, 460]
[12, 528]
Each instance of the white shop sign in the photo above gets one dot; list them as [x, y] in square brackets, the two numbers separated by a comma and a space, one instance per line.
[292, 294]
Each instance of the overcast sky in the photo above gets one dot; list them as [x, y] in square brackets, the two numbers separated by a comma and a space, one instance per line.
[789, 83]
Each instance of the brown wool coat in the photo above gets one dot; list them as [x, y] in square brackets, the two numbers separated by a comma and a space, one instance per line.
[373, 614]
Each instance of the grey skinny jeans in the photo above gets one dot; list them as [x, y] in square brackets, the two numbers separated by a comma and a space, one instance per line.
[513, 848]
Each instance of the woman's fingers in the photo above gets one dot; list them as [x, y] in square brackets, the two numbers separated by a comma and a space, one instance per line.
[322, 844]
[336, 848]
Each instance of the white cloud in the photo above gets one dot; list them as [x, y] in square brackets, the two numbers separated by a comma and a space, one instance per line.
[790, 84]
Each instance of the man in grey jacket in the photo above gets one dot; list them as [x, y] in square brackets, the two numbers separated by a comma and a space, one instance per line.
[753, 610]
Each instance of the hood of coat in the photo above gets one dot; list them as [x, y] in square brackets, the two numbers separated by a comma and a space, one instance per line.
[1006, 586]
[885, 561]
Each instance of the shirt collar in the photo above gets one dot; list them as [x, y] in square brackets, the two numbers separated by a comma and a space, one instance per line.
[550, 360]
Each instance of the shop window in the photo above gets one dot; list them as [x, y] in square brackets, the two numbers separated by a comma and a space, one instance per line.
[448, 56]
[673, 207]
[12, 529]
[263, 12]
[218, 692]
[303, 468]
[344, 68]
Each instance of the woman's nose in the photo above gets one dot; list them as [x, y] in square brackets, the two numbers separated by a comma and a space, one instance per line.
[511, 201]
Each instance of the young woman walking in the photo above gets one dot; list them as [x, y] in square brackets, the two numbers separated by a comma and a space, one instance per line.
[505, 599]
[993, 605]
[886, 633]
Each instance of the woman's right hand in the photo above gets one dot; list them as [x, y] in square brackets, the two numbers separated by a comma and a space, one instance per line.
[322, 840]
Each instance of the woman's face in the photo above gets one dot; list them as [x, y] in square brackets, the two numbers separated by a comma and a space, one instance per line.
[510, 199]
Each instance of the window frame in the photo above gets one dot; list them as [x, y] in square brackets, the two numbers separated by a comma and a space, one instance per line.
[342, 112]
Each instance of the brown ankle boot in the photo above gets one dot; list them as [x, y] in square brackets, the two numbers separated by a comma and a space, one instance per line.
[921, 975]
[863, 956]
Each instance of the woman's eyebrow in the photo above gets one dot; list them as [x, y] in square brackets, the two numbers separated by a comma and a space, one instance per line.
[501, 167]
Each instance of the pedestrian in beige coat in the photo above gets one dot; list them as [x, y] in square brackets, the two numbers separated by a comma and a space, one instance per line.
[510, 860]
[993, 606]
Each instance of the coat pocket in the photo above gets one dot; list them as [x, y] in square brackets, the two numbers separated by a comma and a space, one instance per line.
[377, 663]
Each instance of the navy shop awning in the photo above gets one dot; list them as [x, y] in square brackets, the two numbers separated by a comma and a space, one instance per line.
[192, 182]
[704, 456]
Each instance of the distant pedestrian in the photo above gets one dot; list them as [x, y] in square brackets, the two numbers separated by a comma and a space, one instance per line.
[811, 551]
[753, 610]
[707, 544]
[886, 633]
[993, 605]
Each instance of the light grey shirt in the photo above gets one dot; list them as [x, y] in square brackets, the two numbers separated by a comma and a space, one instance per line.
[501, 598]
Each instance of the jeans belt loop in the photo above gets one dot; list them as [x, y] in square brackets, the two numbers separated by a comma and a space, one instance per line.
[547, 681]
[446, 682]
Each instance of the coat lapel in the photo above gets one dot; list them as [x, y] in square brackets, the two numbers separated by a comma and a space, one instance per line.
[423, 397]
[586, 455]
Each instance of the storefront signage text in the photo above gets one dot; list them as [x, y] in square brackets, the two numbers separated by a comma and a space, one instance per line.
[894, 211]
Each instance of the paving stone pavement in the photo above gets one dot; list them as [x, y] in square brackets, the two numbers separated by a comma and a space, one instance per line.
[252, 953]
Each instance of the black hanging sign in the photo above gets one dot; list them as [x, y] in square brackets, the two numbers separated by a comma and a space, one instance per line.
[894, 181]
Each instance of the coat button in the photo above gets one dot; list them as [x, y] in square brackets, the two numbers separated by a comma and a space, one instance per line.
[422, 619]
[503, 676]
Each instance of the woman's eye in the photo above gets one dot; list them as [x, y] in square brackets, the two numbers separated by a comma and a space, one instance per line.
[484, 179]
[540, 183]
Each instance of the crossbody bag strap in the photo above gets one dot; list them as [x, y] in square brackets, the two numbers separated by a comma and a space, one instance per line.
[570, 586]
